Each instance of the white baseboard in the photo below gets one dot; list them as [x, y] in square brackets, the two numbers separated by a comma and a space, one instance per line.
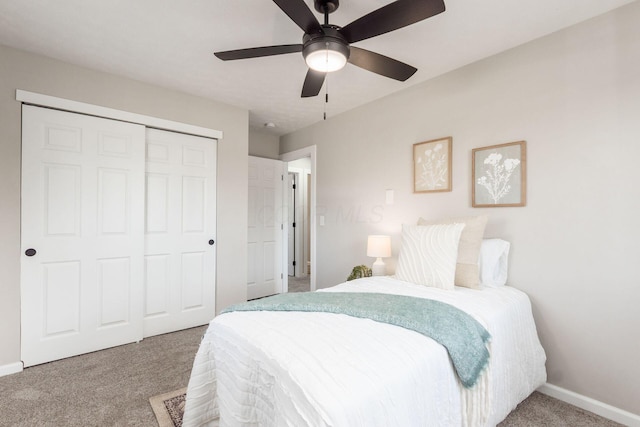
[12, 368]
[604, 410]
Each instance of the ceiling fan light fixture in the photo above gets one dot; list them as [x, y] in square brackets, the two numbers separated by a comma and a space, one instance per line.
[326, 56]
[326, 47]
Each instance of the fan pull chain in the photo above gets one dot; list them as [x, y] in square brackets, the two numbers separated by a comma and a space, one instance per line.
[326, 95]
[326, 86]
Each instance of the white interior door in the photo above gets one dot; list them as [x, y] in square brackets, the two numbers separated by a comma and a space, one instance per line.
[82, 234]
[301, 168]
[265, 234]
[180, 226]
[291, 235]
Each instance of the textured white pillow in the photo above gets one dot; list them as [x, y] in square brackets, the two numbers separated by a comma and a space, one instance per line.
[469, 248]
[428, 254]
[493, 262]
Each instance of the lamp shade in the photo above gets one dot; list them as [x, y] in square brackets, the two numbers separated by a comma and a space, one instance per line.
[379, 246]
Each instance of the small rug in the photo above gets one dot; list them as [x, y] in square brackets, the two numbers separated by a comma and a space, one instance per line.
[169, 407]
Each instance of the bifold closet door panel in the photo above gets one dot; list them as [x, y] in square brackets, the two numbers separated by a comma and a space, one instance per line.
[180, 232]
[83, 184]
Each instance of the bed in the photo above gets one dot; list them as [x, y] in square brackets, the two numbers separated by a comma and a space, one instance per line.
[302, 368]
[265, 368]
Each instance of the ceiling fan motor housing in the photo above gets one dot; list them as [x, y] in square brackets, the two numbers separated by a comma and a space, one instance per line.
[326, 6]
[331, 39]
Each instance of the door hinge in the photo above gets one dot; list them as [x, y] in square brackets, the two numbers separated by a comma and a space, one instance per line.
[294, 186]
[281, 276]
[281, 177]
[294, 263]
[281, 226]
[294, 225]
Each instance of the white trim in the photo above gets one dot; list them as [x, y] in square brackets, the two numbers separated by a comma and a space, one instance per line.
[11, 368]
[286, 221]
[284, 231]
[295, 155]
[591, 405]
[301, 221]
[110, 113]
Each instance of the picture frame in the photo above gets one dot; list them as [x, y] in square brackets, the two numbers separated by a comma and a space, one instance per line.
[499, 175]
[432, 165]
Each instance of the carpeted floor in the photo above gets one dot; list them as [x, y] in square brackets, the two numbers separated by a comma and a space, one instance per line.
[112, 388]
[299, 284]
[106, 388]
[541, 410]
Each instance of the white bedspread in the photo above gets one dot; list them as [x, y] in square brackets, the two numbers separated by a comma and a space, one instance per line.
[322, 369]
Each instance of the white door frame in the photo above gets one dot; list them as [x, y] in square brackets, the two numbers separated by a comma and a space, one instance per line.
[292, 252]
[63, 104]
[309, 152]
[301, 230]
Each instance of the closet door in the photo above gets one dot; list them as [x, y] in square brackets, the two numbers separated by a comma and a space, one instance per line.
[180, 255]
[82, 234]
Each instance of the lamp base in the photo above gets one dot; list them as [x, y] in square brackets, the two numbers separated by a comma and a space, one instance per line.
[378, 268]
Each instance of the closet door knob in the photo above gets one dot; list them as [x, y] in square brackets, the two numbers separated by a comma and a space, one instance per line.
[211, 242]
[30, 252]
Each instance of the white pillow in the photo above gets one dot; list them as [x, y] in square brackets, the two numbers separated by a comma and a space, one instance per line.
[493, 262]
[469, 248]
[428, 254]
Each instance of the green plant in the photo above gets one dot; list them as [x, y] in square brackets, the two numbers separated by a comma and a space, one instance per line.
[358, 272]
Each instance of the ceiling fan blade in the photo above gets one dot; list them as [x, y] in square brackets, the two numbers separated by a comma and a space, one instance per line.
[381, 64]
[391, 17]
[256, 52]
[300, 13]
[313, 83]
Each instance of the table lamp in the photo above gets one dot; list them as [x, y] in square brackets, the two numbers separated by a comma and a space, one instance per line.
[379, 247]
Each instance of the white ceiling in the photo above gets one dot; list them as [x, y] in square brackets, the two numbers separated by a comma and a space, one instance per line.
[171, 44]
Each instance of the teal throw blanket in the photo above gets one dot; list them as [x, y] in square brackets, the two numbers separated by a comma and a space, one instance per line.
[464, 338]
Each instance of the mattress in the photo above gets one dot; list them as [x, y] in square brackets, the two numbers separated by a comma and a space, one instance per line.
[324, 369]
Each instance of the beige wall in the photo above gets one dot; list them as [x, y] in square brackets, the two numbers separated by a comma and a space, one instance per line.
[263, 144]
[574, 96]
[21, 70]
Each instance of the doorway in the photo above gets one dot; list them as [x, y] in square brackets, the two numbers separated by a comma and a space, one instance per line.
[301, 165]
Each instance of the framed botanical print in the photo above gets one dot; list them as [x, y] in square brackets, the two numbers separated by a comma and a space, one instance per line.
[499, 175]
[432, 166]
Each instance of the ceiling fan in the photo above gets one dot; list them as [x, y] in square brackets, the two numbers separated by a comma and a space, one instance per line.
[326, 47]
